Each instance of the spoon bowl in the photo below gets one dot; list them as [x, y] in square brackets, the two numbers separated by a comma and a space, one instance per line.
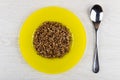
[96, 14]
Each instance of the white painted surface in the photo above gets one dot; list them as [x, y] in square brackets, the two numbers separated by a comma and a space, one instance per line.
[14, 12]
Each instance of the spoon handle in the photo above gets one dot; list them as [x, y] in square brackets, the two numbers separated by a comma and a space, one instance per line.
[95, 66]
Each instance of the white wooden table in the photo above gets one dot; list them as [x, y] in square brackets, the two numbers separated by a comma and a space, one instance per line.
[14, 12]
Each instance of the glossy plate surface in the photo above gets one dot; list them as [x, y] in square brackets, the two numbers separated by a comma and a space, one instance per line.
[52, 66]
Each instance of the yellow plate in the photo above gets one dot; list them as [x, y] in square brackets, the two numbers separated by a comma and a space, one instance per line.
[52, 66]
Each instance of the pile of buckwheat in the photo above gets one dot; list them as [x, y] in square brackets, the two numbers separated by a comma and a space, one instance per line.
[52, 39]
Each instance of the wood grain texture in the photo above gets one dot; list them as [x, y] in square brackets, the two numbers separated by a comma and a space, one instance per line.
[14, 12]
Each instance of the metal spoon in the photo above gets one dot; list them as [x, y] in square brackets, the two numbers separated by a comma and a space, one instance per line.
[96, 15]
